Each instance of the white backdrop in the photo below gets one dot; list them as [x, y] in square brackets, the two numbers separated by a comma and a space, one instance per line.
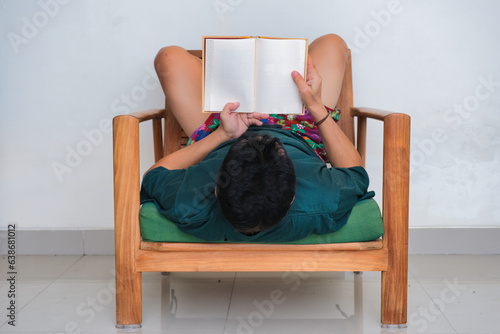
[68, 67]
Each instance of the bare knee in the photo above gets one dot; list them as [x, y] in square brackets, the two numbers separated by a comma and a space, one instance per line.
[168, 57]
[332, 42]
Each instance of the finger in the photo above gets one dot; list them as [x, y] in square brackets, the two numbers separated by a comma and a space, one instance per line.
[230, 107]
[254, 122]
[299, 81]
[253, 118]
[296, 76]
[310, 64]
[312, 72]
[257, 115]
[234, 106]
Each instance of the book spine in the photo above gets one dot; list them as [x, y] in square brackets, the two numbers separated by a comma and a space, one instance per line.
[255, 75]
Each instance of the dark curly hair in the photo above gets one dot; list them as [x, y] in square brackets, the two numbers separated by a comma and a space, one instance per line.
[256, 183]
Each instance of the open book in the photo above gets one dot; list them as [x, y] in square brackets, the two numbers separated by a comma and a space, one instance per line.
[254, 71]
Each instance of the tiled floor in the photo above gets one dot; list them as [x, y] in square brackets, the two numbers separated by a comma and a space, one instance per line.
[73, 294]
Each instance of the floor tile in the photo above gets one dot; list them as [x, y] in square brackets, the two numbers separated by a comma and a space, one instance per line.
[23, 293]
[293, 303]
[68, 307]
[43, 267]
[90, 268]
[484, 268]
[470, 307]
[189, 303]
[446, 294]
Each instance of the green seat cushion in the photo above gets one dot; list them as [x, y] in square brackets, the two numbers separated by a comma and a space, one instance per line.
[364, 224]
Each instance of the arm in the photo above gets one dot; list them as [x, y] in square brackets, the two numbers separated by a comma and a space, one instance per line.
[233, 125]
[339, 148]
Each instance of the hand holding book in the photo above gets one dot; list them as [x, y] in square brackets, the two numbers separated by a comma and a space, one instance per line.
[234, 124]
[310, 90]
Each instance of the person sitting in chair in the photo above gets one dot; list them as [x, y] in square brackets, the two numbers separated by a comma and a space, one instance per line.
[253, 176]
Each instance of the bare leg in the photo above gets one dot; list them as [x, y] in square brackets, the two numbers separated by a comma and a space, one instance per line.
[180, 77]
[329, 53]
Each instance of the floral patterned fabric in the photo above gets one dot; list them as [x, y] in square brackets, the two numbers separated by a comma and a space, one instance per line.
[302, 125]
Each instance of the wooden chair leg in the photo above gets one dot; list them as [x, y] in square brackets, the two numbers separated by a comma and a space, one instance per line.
[128, 299]
[395, 213]
[394, 298]
[127, 237]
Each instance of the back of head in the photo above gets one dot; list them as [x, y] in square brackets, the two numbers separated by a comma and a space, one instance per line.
[256, 183]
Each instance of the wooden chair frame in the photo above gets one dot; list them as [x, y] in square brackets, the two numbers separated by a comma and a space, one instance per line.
[388, 255]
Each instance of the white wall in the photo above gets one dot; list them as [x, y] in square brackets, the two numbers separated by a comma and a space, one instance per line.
[68, 67]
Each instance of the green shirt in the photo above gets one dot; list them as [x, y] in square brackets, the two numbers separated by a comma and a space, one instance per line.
[323, 201]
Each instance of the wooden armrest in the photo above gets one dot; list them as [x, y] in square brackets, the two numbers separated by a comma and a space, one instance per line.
[396, 157]
[146, 115]
[126, 184]
[141, 116]
[377, 114]
[391, 120]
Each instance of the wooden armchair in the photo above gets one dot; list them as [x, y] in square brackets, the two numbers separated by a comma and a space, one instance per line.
[388, 255]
